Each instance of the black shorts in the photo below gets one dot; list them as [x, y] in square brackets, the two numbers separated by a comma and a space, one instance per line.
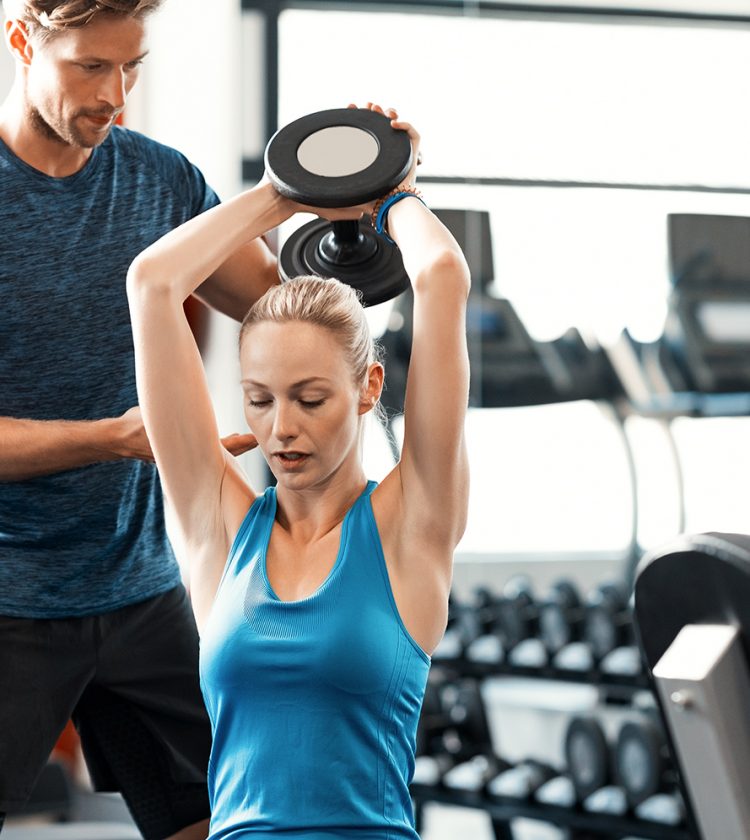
[129, 680]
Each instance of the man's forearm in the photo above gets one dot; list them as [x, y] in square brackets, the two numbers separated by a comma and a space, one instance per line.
[240, 280]
[30, 448]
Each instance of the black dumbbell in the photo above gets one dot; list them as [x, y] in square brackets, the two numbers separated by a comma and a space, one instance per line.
[468, 731]
[642, 761]
[468, 738]
[468, 621]
[487, 646]
[587, 756]
[561, 616]
[341, 158]
[517, 612]
[608, 622]
[432, 761]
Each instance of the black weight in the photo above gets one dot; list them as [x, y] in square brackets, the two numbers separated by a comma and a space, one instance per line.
[608, 619]
[640, 759]
[349, 251]
[292, 179]
[560, 616]
[468, 732]
[517, 612]
[587, 756]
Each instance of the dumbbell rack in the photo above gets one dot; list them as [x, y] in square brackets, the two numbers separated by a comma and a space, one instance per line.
[580, 824]
[613, 686]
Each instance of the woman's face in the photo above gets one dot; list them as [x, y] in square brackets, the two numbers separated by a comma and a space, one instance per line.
[301, 401]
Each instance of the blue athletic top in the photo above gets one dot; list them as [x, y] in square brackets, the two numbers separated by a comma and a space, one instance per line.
[314, 704]
[87, 540]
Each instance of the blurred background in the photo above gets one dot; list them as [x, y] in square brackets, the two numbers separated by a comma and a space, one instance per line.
[592, 158]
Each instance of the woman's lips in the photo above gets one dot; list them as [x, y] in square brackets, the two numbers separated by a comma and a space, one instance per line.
[291, 460]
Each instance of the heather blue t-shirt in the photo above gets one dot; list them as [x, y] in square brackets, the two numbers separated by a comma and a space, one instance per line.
[87, 540]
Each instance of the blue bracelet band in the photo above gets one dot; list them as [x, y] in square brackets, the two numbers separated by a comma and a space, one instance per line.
[382, 217]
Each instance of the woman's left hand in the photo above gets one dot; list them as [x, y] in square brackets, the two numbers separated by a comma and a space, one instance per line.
[401, 125]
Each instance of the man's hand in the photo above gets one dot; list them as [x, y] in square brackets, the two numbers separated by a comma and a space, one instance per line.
[132, 441]
[239, 444]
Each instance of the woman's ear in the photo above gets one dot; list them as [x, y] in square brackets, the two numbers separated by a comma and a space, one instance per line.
[373, 388]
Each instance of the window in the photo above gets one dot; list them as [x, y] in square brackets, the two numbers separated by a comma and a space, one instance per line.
[630, 114]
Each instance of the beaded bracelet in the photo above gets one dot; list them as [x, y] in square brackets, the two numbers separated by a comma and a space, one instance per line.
[379, 217]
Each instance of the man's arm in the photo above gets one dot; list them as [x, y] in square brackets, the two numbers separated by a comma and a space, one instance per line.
[235, 286]
[31, 448]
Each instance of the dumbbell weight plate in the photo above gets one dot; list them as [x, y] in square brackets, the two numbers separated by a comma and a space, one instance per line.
[639, 760]
[338, 158]
[586, 755]
[349, 251]
[608, 620]
[560, 616]
[517, 612]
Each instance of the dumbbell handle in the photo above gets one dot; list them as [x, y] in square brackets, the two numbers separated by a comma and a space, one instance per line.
[346, 230]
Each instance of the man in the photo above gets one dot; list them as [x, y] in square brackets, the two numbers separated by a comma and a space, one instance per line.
[94, 622]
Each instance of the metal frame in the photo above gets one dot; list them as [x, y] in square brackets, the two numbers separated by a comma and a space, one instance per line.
[704, 685]
[252, 168]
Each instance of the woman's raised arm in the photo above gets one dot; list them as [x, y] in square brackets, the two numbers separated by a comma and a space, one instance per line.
[201, 483]
[434, 467]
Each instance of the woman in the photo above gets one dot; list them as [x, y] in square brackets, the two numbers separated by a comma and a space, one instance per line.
[319, 601]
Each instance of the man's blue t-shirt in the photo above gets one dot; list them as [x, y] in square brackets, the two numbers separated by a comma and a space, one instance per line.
[92, 539]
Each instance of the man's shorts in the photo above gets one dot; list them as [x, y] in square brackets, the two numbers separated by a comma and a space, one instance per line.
[129, 680]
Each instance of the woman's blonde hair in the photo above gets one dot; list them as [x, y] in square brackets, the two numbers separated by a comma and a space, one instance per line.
[327, 303]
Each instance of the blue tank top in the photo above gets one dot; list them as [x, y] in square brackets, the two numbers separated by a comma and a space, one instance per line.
[314, 703]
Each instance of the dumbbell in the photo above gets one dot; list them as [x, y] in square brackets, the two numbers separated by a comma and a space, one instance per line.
[561, 616]
[587, 756]
[468, 737]
[432, 761]
[487, 646]
[518, 624]
[341, 158]
[643, 765]
[468, 732]
[608, 623]
[589, 765]
[467, 621]
[522, 780]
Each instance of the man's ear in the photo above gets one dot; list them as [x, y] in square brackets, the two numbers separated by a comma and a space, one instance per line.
[18, 41]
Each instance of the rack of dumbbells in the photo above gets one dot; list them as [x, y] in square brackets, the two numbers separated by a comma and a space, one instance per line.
[615, 780]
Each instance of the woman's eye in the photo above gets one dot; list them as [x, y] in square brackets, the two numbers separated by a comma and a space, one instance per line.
[258, 403]
[311, 403]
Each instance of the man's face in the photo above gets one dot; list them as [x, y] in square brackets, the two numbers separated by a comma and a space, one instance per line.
[78, 80]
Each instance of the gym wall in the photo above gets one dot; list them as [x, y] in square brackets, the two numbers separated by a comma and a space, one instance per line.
[6, 72]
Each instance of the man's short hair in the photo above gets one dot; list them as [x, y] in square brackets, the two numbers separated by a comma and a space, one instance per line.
[45, 17]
